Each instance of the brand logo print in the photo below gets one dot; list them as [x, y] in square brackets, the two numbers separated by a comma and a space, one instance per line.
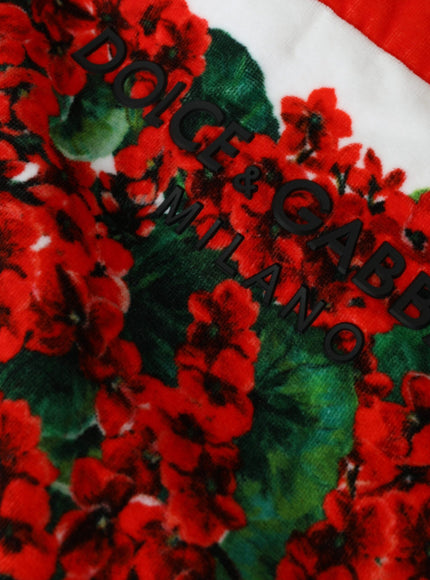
[385, 264]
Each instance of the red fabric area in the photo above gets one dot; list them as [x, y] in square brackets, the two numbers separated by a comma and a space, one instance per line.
[400, 28]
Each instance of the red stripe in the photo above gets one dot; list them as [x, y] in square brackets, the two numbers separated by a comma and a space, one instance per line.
[400, 27]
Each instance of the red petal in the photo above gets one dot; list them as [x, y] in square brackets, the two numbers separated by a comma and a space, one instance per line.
[27, 503]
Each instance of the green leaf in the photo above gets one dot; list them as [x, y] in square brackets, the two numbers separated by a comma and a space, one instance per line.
[63, 451]
[167, 270]
[235, 82]
[304, 407]
[92, 124]
[60, 502]
[400, 351]
[418, 193]
[58, 392]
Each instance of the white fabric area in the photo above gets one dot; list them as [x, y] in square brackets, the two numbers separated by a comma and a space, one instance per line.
[302, 45]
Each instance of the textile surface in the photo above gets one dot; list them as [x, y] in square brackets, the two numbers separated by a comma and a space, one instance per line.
[214, 290]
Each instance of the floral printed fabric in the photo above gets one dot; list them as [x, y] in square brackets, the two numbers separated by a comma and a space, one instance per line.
[165, 415]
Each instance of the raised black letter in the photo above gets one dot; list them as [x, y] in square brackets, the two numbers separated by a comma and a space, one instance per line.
[173, 201]
[336, 355]
[332, 239]
[223, 143]
[221, 261]
[139, 65]
[153, 118]
[313, 222]
[186, 109]
[416, 294]
[386, 274]
[108, 35]
[209, 234]
[304, 320]
[260, 279]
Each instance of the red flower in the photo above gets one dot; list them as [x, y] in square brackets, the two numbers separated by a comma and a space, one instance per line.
[143, 174]
[394, 453]
[416, 232]
[16, 245]
[370, 182]
[55, 57]
[122, 390]
[170, 35]
[116, 535]
[288, 569]
[67, 272]
[159, 553]
[116, 404]
[87, 537]
[345, 301]
[120, 362]
[216, 365]
[316, 555]
[204, 518]
[14, 319]
[313, 127]
[222, 319]
[19, 437]
[145, 169]
[201, 503]
[72, 177]
[181, 439]
[265, 242]
[34, 103]
[27, 551]
[383, 535]
[77, 290]
[207, 188]
[15, 29]
[371, 385]
[56, 311]
[10, 164]
[366, 537]
[4, 109]
[377, 518]
[135, 454]
[218, 397]
[182, 435]
[73, 17]
[164, 32]
[219, 195]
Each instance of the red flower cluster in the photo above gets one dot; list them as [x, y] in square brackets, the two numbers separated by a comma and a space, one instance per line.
[65, 272]
[162, 440]
[142, 173]
[313, 128]
[26, 103]
[27, 550]
[163, 491]
[309, 149]
[117, 532]
[377, 518]
[264, 243]
[55, 253]
[164, 32]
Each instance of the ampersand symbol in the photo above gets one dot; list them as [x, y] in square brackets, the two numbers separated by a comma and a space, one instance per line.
[244, 182]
